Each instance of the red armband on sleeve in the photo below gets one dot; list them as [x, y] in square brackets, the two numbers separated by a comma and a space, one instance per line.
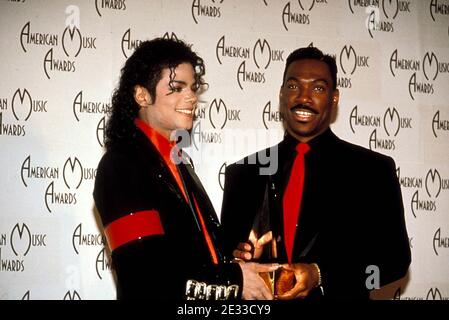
[133, 226]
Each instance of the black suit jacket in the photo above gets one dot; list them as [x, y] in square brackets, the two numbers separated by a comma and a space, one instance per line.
[132, 176]
[351, 220]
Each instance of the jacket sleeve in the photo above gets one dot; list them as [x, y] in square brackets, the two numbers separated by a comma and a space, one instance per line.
[153, 266]
[392, 250]
[242, 199]
[373, 249]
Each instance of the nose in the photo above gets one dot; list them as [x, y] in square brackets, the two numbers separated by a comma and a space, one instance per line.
[304, 96]
[191, 97]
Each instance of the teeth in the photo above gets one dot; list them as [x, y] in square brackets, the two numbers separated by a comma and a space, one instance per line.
[185, 111]
[304, 113]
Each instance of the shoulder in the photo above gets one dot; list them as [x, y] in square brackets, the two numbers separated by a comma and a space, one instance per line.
[127, 163]
[253, 163]
[117, 157]
[353, 152]
[129, 154]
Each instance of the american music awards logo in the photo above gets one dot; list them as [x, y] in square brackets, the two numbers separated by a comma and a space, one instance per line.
[109, 5]
[299, 13]
[81, 239]
[428, 188]
[83, 108]
[200, 132]
[381, 15]
[350, 62]
[203, 10]
[440, 125]
[256, 59]
[220, 115]
[71, 174]
[433, 293]
[129, 42]
[221, 175]
[440, 241]
[102, 263]
[21, 241]
[426, 72]
[22, 106]
[72, 295]
[101, 131]
[438, 9]
[271, 115]
[71, 41]
[391, 122]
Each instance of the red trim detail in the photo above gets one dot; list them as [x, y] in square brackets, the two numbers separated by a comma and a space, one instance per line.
[132, 227]
[210, 245]
[164, 147]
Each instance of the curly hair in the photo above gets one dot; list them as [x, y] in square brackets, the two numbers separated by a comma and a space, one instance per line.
[144, 67]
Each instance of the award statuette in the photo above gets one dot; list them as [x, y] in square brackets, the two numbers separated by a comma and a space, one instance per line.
[263, 239]
[280, 280]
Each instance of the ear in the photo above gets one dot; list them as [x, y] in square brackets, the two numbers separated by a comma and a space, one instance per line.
[335, 98]
[142, 96]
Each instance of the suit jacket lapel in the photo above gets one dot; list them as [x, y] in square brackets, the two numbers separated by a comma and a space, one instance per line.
[162, 173]
[194, 184]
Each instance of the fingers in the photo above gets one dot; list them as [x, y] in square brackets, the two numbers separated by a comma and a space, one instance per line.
[287, 267]
[254, 287]
[243, 251]
[268, 267]
[266, 294]
[242, 255]
[262, 294]
[303, 281]
[243, 246]
[298, 291]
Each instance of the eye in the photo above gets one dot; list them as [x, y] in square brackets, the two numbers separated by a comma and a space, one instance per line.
[292, 86]
[174, 87]
[319, 88]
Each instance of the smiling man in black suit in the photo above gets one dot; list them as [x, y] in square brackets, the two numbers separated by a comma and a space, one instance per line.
[335, 209]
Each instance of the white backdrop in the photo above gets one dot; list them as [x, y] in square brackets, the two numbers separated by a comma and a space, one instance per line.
[60, 61]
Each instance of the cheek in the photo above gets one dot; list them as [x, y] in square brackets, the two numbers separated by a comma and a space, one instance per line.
[285, 101]
[322, 103]
[282, 106]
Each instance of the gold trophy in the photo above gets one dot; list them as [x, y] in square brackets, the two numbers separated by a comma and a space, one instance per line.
[262, 238]
[280, 280]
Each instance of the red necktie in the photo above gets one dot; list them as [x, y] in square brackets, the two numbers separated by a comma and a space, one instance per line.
[292, 198]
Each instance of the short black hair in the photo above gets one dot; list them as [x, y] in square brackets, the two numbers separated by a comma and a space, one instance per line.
[315, 54]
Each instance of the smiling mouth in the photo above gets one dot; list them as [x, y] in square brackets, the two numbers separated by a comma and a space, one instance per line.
[303, 113]
[187, 112]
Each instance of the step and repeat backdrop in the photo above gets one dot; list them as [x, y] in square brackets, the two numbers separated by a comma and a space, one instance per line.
[60, 61]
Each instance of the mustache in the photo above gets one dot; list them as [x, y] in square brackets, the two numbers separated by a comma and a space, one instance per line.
[304, 107]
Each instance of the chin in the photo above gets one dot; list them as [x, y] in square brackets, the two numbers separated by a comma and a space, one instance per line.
[303, 133]
[184, 128]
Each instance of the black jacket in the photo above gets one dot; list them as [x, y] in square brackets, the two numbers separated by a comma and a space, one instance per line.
[351, 217]
[131, 177]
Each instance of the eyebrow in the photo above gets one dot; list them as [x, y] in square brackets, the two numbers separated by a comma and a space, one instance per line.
[314, 80]
[178, 81]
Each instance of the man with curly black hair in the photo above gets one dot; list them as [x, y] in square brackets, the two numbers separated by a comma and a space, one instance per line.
[158, 220]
